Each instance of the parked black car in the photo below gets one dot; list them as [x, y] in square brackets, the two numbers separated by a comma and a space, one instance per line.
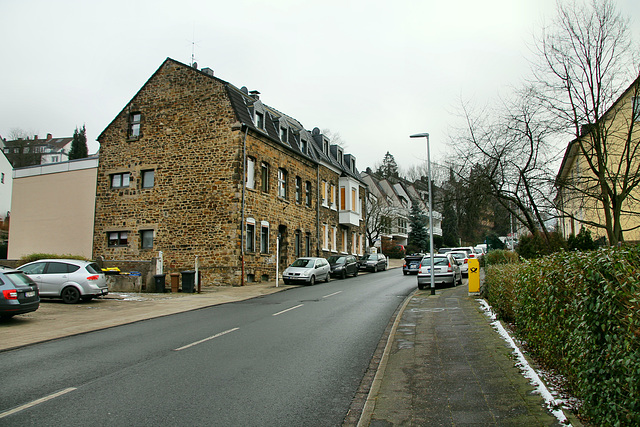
[18, 293]
[376, 262]
[343, 265]
[412, 264]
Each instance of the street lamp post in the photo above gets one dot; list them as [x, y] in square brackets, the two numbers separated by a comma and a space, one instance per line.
[426, 135]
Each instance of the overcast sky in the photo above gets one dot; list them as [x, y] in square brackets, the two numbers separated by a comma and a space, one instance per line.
[373, 71]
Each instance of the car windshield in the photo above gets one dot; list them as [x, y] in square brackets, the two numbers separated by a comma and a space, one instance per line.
[373, 257]
[303, 262]
[438, 261]
[458, 255]
[336, 259]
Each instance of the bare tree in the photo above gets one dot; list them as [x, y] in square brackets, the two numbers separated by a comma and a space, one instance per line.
[587, 60]
[378, 214]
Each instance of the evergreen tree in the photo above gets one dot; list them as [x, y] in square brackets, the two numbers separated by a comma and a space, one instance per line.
[389, 167]
[79, 148]
[419, 234]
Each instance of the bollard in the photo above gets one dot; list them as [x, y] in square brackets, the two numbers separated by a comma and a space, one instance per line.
[474, 276]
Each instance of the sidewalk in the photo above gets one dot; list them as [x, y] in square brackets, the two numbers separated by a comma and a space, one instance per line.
[445, 365]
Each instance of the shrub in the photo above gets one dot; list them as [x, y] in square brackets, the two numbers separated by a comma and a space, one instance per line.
[501, 256]
[35, 257]
[536, 245]
[582, 242]
[578, 313]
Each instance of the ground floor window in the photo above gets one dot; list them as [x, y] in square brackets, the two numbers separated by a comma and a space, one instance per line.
[146, 239]
[118, 238]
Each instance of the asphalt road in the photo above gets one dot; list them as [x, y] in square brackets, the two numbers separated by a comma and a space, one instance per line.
[292, 358]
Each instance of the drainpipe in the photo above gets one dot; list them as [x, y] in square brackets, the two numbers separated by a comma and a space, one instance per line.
[244, 185]
[318, 210]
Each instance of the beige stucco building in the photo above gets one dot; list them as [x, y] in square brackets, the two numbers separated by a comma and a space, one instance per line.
[52, 209]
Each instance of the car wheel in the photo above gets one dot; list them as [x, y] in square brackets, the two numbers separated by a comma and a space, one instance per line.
[326, 279]
[343, 275]
[375, 268]
[355, 273]
[6, 316]
[70, 295]
[420, 286]
[312, 281]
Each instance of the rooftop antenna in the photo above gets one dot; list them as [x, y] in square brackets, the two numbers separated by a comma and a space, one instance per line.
[193, 48]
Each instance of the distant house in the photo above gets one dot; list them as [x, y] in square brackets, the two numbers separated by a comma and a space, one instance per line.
[194, 167]
[579, 198]
[37, 151]
[394, 200]
[52, 209]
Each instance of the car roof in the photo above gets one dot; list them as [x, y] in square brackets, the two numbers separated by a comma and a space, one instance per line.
[457, 252]
[69, 260]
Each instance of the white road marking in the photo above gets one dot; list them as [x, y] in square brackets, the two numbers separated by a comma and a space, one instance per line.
[330, 295]
[206, 339]
[36, 402]
[288, 309]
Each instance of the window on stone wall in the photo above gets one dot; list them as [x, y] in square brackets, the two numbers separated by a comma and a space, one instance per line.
[251, 171]
[148, 178]
[298, 189]
[120, 180]
[298, 244]
[308, 193]
[250, 237]
[282, 183]
[264, 177]
[264, 238]
[135, 125]
[307, 244]
[117, 238]
[146, 239]
[323, 193]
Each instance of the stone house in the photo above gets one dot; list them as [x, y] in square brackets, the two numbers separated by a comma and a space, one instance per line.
[609, 146]
[195, 168]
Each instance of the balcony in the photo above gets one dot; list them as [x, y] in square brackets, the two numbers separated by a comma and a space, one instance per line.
[349, 218]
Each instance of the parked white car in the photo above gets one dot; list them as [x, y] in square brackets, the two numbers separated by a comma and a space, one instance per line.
[307, 270]
[463, 259]
[69, 279]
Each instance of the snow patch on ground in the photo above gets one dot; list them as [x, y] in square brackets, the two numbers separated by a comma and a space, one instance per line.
[524, 366]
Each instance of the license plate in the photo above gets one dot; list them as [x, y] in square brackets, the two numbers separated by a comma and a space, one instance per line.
[30, 294]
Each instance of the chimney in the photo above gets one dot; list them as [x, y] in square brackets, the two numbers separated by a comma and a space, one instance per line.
[255, 94]
[207, 71]
[35, 137]
[49, 136]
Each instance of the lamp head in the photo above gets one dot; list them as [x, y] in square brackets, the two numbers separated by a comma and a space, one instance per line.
[420, 135]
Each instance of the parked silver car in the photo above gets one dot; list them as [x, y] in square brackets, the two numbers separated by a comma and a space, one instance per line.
[307, 270]
[69, 279]
[446, 271]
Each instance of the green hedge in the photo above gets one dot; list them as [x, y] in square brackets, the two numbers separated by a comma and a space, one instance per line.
[579, 313]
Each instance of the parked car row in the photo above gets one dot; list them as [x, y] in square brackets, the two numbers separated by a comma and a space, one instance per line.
[309, 270]
[69, 279]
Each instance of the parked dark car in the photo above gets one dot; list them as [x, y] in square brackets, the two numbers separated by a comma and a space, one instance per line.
[343, 266]
[412, 264]
[18, 293]
[376, 262]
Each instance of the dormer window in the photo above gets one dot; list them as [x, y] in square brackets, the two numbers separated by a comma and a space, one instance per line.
[303, 146]
[283, 134]
[339, 156]
[259, 120]
[325, 147]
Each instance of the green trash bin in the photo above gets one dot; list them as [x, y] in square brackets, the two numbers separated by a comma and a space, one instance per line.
[188, 281]
[159, 281]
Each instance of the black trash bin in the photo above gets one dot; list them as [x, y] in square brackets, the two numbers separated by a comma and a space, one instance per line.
[188, 281]
[159, 280]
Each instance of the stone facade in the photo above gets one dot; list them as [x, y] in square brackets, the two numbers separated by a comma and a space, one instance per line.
[171, 173]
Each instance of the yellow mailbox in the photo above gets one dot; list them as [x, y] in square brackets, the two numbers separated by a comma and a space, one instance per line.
[474, 275]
